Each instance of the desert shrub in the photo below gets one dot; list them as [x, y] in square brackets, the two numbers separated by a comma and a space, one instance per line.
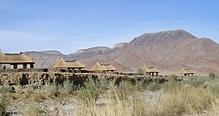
[196, 81]
[153, 86]
[3, 104]
[93, 90]
[187, 99]
[127, 89]
[4, 99]
[212, 75]
[176, 100]
[55, 92]
[103, 84]
[140, 71]
[6, 89]
[71, 88]
[172, 86]
[88, 93]
[123, 91]
[213, 86]
[192, 95]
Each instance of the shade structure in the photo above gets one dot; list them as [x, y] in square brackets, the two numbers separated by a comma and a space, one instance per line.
[103, 67]
[150, 69]
[186, 71]
[69, 64]
[15, 59]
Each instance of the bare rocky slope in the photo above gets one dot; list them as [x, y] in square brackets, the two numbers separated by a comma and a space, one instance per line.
[167, 50]
[44, 59]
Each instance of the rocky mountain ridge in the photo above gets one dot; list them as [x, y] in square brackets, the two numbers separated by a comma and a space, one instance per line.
[169, 51]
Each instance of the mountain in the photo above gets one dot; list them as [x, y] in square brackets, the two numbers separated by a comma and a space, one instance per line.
[52, 52]
[44, 59]
[120, 45]
[167, 50]
[90, 52]
[170, 50]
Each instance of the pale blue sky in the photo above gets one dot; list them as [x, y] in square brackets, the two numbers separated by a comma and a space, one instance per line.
[69, 25]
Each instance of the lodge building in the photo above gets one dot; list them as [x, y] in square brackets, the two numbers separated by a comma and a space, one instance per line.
[70, 66]
[15, 61]
[103, 68]
[151, 71]
[187, 72]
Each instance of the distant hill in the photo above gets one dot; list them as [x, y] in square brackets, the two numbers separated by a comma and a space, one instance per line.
[167, 50]
[44, 59]
[52, 52]
[90, 52]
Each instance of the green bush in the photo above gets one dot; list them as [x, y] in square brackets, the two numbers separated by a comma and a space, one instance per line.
[88, 93]
[3, 99]
[2, 105]
[212, 75]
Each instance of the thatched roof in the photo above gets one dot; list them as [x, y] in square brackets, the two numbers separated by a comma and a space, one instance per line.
[103, 67]
[187, 70]
[14, 58]
[68, 64]
[150, 69]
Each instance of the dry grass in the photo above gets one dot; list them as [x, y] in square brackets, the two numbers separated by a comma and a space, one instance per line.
[177, 98]
[35, 112]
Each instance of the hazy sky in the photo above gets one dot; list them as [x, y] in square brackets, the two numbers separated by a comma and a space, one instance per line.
[69, 25]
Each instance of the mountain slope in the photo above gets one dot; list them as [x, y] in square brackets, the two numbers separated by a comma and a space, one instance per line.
[90, 52]
[166, 50]
[170, 50]
[44, 59]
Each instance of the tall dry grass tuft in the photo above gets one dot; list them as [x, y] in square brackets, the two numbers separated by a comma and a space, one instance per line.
[185, 99]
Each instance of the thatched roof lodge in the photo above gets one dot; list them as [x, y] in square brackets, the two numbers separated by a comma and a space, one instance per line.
[72, 66]
[15, 61]
[151, 71]
[103, 67]
[187, 71]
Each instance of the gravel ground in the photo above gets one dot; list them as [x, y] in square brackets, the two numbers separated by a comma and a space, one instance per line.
[50, 107]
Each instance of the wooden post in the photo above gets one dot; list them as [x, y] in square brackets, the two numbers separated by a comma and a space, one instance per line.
[31, 66]
[15, 66]
[24, 66]
[156, 73]
[152, 74]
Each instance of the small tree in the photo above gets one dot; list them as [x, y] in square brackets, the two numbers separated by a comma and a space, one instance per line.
[212, 75]
[140, 71]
